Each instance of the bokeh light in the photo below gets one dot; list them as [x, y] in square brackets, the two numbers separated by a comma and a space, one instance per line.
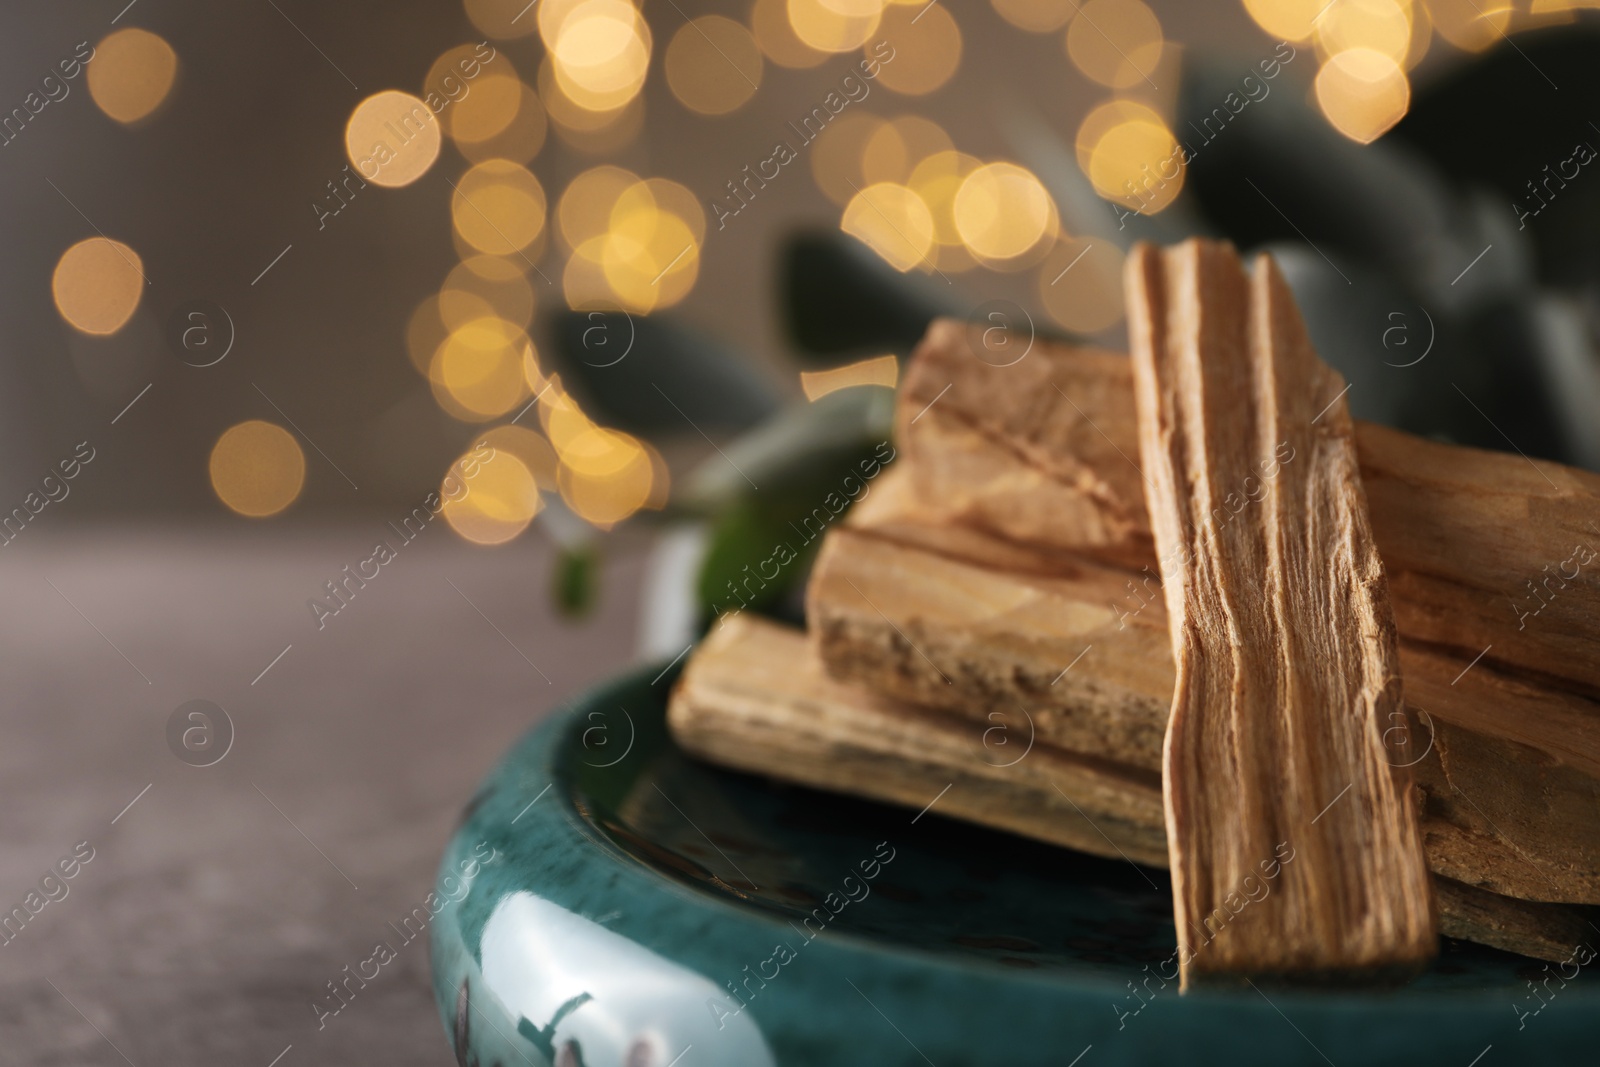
[937, 179]
[1362, 93]
[1080, 284]
[1381, 25]
[1002, 212]
[453, 76]
[487, 111]
[489, 501]
[878, 370]
[893, 221]
[1117, 43]
[498, 207]
[482, 286]
[257, 468]
[1130, 156]
[392, 138]
[897, 146]
[926, 45]
[836, 160]
[834, 25]
[1471, 25]
[605, 476]
[132, 73]
[584, 210]
[599, 50]
[97, 285]
[713, 65]
[635, 244]
[528, 446]
[1289, 20]
[769, 22]
[1036, 16]
[521, 140]
[477, 372]
[595, 132]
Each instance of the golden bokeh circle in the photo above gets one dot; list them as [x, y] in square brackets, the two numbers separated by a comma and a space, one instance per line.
[1130, 156]
[1287, 20]
[599, 52]
[1002, 211]
[937, 179]
[97, 285]
[487, 111]
[834, 25]
[132, 72]
[584, 210]
[498, 207]
[392, 138]
[769, 22]
[605, 476]
[1471, 25]
[477, 371]
[836, 159]
[257, 468]
[897, 146]
[893, 221]
[528, 446]
[1117, 43]
[487, 285]
[489, 501]
[927, 48]
[520, 141]
[1362, 93]
[713, 65]
[1381, 25]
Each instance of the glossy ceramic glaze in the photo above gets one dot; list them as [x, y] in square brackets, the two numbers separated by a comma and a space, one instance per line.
[608, 901]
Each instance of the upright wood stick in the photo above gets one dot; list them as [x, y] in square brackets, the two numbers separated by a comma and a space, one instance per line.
[1287, 667]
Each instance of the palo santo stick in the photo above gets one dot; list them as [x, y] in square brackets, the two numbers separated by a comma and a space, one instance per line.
[1487, 552]
[752, 698]
[942, 615]
[1287, 667]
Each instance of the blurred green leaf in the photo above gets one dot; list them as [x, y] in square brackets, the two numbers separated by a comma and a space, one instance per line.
[652, 375]
[763, 540]
[838, 296]
[577, 580]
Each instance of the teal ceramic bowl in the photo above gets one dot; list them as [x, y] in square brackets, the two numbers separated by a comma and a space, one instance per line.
[607, 901]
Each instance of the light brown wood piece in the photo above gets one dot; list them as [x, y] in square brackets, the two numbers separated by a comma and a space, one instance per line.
[1484, 550]
[752, 698]
[944, 616]
[1288, 672]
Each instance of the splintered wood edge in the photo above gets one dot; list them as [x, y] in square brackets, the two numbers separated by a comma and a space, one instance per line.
[1213, 348]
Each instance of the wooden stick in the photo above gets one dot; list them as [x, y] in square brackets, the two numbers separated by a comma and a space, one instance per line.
[1287, 667]
[944, 616]
[1487, 553]
[752, 698]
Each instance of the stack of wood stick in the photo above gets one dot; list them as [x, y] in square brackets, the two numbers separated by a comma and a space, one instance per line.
[1181, 609]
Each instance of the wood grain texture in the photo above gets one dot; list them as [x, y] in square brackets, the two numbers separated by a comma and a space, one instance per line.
[752, 698]
[1484, 550]
[1288, 672]
[944, 616]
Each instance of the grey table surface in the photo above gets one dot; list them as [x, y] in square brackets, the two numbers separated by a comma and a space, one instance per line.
[220, 903]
